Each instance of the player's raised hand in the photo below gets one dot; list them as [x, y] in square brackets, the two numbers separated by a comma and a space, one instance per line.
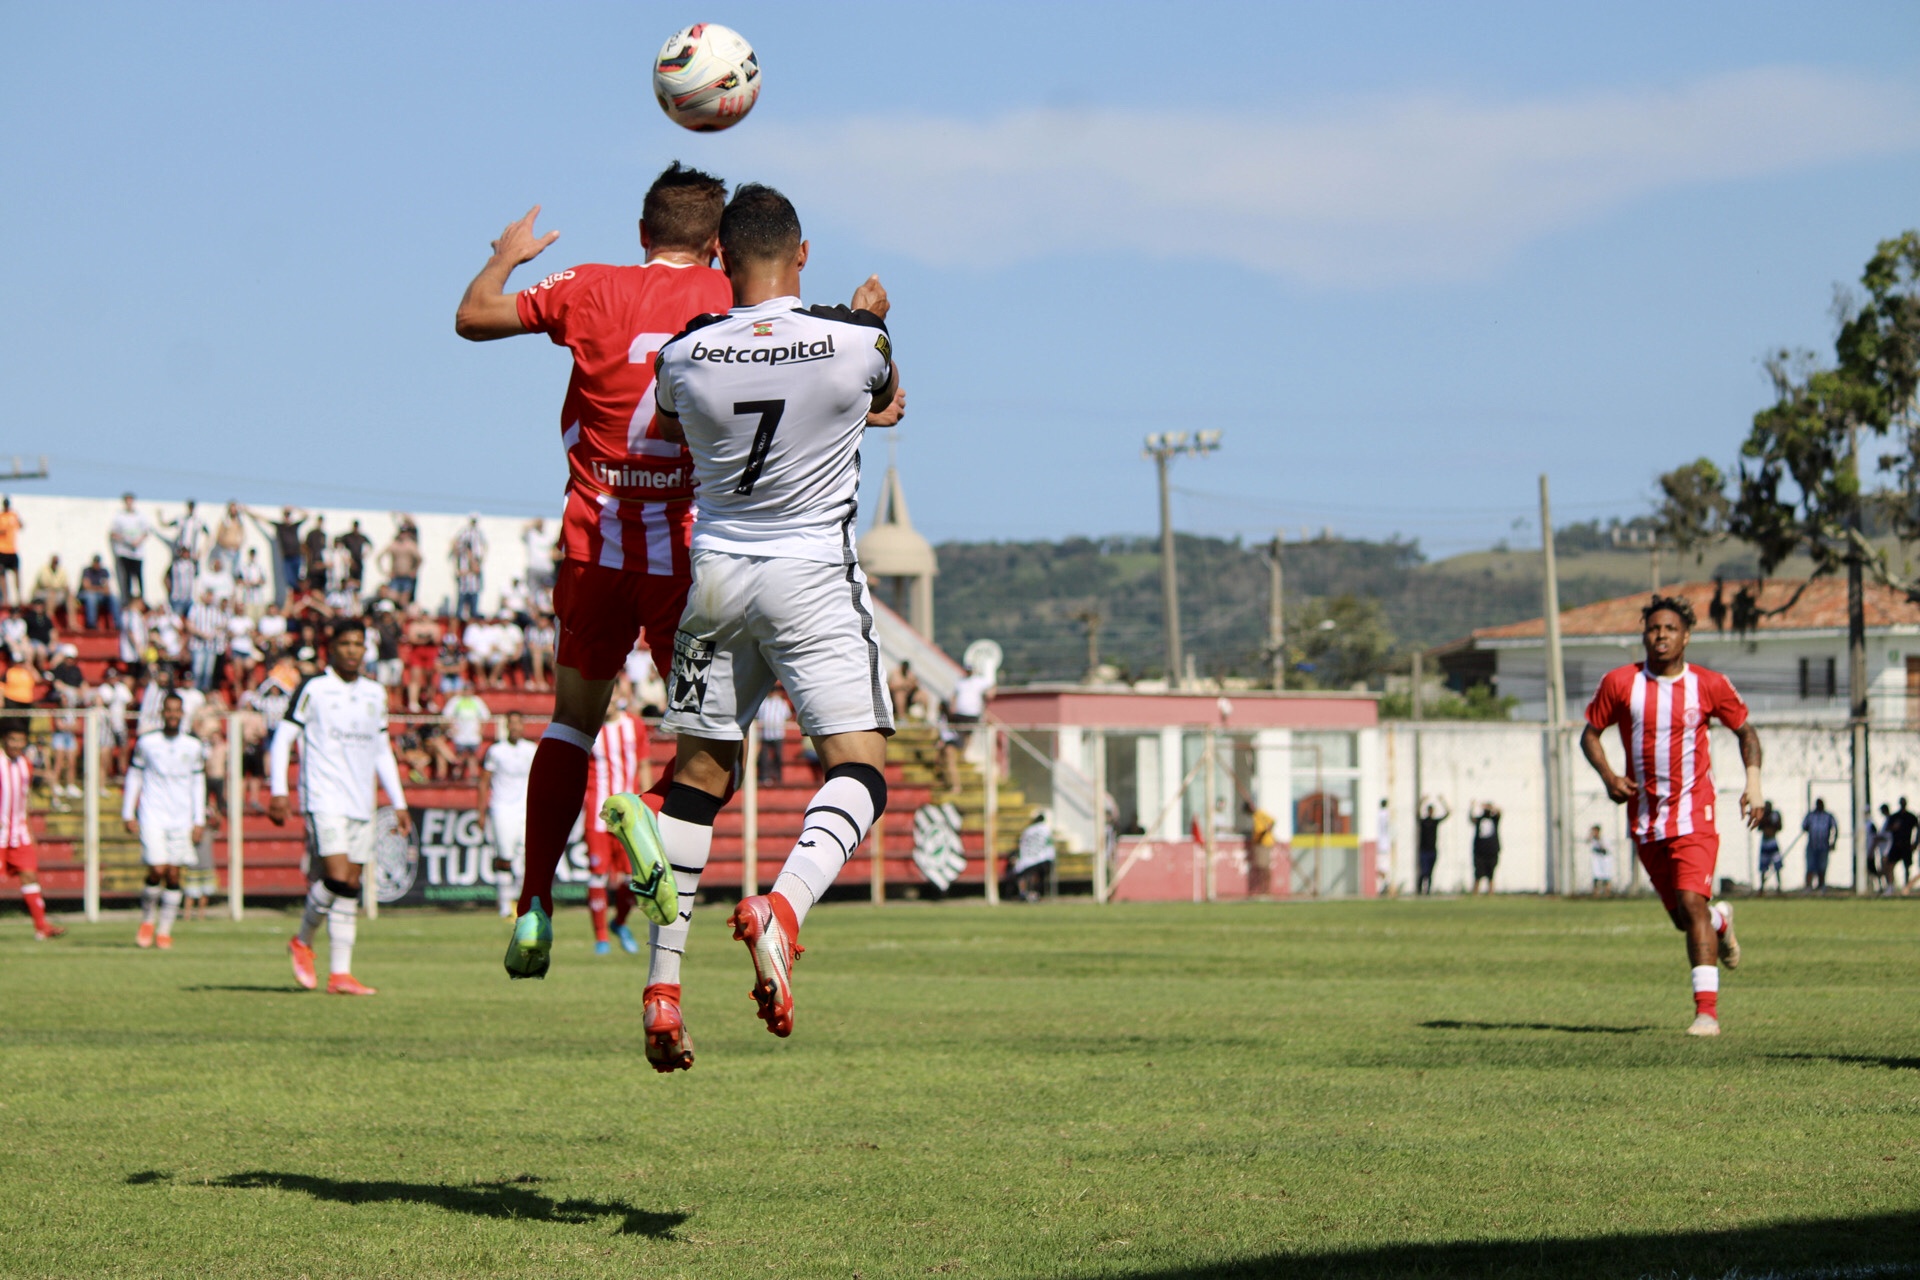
[871, 296]
[518, 243]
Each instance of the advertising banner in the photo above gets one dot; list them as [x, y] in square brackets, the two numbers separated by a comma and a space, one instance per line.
[450, 859]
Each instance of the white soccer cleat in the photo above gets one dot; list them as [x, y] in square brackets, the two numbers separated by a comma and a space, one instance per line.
[1704, 1024]
[1729, 945]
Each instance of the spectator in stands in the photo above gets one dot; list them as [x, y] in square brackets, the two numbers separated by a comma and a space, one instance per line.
[96, 593]
[68, 692]
[420, 651]
[466, 716]
[288, 556]
[229, 536]
[243, 654]
[774, 717]
[188, 535]
[541, 637]
[469, 556]
[1771, 860]
[400, 560]
[165, 636]
[343, 592]
[53, 592]
[13, 636]
[134, 639]
[114, 698]
[314, 556]
[125, 536]
[39, 633]
[509, 646]
[969, 701]
[271, 631]
[903, 687]
[10, 526]
[250, 584]
[21, 686]
[951, 741]
[451, 662]
[355, 543]
[539, 546]
[183, 573]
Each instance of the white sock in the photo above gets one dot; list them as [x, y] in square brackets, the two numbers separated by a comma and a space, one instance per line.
[1706, 977]
[319, 901]
[687, 846]
[1718, 914]
[837, 820]
[149, 902]
[508, 891]
[343, 923]
[169, 911]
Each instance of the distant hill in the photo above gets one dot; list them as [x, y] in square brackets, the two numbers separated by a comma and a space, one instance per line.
[1026, 595]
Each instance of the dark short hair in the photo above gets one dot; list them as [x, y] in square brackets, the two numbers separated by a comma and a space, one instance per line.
[1674, 605]
[12, 725]
[682, 208]
[345, 626]
[174, 697]
[759, 224]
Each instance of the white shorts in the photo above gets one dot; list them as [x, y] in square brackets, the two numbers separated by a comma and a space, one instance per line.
[331, 834]
[752, 620]
[1603, 866]
[159, 848]
[509, 836]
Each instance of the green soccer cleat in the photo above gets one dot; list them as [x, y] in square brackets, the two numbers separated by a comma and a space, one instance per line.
[634, 826]
[531, 949]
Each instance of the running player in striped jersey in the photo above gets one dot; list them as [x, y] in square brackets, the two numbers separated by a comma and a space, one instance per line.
[614, 769]
[166, 808]
[629, 490]
[17, 857]
[1662, 707]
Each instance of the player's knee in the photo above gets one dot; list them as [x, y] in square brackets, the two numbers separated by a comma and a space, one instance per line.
[153, 875]
[340, 888]
[690, 804]
[867, 776]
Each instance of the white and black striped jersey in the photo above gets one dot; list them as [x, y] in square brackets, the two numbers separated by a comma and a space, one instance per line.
[773, 399]
[341, 726]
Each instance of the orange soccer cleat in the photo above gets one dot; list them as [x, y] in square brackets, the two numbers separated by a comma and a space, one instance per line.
[164, 942]
[302, 962]
[49, 933]
[757, 923]
[344, 984]
[669, 1047]
[144, 938]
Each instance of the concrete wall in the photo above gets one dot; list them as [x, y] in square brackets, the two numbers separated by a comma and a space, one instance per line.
[76, 529]
[1506, 763]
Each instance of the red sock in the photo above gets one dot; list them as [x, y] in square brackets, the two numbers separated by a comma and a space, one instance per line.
[1707, 1002]
[555, 789]
[37, 906]
[597, 908]
[783, 912]
[623, 902]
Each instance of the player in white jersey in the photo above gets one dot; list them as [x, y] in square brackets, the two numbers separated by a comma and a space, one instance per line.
[772, 399]
[339, 719]
[166, 806]
[503, 798]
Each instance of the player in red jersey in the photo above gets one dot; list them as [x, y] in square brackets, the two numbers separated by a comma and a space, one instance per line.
[17, 857]
[615, 770]
[629, 491]
[1662, 707]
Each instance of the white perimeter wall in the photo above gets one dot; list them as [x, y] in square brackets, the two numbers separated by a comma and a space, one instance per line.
[76, 528]
[1506, 763]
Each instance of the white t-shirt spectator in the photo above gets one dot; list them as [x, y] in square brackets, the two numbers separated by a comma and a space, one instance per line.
[465, 715]
[240, 633]
[128, 530]
[970, 696]
[272, 627]
[774, 715]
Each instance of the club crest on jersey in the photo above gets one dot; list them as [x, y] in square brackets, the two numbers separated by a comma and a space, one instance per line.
[763, 328]
[884, 347]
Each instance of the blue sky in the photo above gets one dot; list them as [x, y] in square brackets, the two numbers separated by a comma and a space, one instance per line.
[1405, 256]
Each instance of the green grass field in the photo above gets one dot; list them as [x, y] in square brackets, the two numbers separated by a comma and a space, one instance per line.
[1470, 1088]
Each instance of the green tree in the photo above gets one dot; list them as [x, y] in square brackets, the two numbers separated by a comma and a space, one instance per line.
[1339, 641]
[1693, 505]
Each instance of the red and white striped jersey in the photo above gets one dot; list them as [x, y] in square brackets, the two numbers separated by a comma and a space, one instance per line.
[629, 490]
[616, 763]
[16, 781]
[1663, 726]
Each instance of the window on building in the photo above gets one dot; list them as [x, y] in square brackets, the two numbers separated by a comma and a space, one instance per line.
[1819, 678]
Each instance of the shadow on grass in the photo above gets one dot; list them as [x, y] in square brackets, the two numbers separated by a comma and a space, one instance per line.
[507, 1198]
[1853, 1059]
[1578, 1029]
[287, 990]
[1879, 1245]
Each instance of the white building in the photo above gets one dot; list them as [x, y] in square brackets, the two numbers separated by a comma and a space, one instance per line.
[1789, 662]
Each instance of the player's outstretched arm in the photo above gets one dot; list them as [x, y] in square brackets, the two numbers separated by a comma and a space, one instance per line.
[1619, 789]
[487, 311]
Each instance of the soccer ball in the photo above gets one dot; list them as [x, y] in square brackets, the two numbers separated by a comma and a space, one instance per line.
[706, 78]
